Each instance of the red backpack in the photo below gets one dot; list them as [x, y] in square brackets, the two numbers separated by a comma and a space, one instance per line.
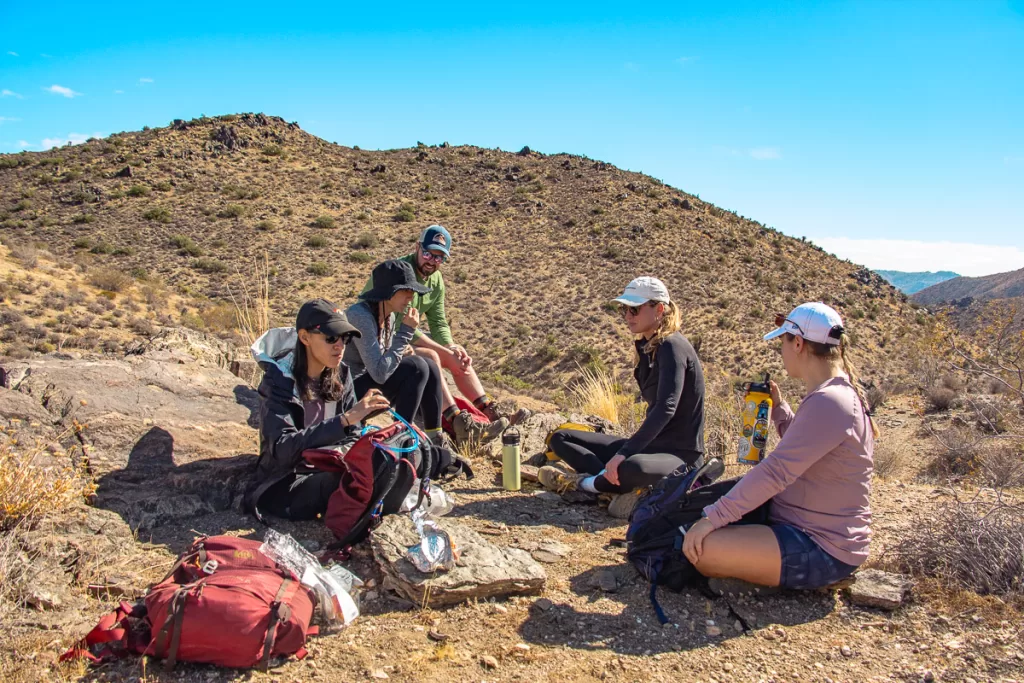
[223, 602]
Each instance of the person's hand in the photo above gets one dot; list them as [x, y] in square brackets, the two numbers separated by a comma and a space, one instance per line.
[693, 541]
[371, 403]
[411, 318]
[775, 392]
[611, 469]
[461, 355]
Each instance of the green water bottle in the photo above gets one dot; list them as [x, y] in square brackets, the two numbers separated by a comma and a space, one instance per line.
[510, 473]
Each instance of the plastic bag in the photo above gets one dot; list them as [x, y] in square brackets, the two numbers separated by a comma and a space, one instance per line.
[333, 587]
[437, 503]
[436, 550]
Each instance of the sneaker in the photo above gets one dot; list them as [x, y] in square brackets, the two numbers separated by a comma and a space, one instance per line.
[556, 479]
[622, 505]
[709, 472]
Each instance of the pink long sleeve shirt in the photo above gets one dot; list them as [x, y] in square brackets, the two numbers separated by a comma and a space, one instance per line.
[818, 478]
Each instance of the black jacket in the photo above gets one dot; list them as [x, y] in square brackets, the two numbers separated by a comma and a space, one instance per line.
[671, 381]
[283, 436]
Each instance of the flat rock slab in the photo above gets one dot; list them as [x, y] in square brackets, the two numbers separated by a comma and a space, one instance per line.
[484, 570]
[875, 588]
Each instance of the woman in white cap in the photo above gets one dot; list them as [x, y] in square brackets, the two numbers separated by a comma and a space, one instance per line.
[671, 381]
[817, 481]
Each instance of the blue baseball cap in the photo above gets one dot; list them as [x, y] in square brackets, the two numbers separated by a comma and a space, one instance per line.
[436, 238]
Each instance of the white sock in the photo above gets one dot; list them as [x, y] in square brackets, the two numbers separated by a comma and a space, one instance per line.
[588, 484]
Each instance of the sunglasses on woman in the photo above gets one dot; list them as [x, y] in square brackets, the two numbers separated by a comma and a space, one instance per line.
[436, 258]
[781, 319]
[333, 339]
[631, 310]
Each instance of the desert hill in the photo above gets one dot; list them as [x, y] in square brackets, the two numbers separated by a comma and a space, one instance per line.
[998, 286]
[911, 283]
[166, 223]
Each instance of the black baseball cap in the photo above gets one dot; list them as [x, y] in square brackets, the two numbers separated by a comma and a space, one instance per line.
[323, 316]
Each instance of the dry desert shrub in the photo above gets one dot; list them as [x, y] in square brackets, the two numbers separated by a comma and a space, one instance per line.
[940, 398]
[110, 279]
[598, 393]
[958, 453]
[972, 544]
[28, 491]
[1002, 466]
[889, 457]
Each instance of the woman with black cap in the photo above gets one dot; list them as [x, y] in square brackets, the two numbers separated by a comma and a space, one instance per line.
[381, 358]
[306, 401]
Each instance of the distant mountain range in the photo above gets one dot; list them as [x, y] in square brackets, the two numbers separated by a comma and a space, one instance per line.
[911, 283]
[998, 286]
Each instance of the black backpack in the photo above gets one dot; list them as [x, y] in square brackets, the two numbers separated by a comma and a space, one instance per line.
[659, 522]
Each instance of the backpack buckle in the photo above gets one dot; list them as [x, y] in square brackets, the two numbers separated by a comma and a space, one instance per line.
[209, 567]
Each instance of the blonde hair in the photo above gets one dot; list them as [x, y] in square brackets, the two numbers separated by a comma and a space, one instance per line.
[837, 355]
[671, 322]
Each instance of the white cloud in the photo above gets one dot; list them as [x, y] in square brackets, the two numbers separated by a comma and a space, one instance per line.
[119, 92]
[24, 143]
[46, 55]
[61, 90]
[144, 81]
[10, 93]
[765, 153]
[8, 119]
[917, 256]
[73, 138]
[686, 60]
[13, 54]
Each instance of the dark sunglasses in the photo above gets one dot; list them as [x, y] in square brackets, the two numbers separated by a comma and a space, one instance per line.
[334, 338]
[781, 319]
[436, 258]
[631, 310]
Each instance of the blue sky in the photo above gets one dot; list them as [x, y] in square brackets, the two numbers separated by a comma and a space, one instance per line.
[889, 132]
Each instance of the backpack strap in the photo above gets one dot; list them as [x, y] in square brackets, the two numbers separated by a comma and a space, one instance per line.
[178, 607]
[278, 612]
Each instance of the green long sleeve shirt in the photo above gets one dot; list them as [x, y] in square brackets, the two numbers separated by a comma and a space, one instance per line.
[430, 305]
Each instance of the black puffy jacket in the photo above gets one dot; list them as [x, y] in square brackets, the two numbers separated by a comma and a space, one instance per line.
[283, 436]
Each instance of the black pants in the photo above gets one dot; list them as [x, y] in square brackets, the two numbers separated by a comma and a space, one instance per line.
[587, 453]
[304, 497]
[414, 387]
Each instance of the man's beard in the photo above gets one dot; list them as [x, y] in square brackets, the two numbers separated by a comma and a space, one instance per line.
[427, 268]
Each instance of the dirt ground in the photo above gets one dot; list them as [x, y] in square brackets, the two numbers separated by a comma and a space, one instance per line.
[576, 631]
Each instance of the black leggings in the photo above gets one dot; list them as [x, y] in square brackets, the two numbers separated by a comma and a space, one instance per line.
[587, 453]
[414, 387]
[303, 497]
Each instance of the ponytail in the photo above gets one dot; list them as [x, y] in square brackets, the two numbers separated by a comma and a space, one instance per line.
[844, 343]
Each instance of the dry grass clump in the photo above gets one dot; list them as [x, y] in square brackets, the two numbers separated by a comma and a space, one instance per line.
[975, 545]
[599, 394]
[889, 457]
[110, 279]
[27, 491]
[940, 398]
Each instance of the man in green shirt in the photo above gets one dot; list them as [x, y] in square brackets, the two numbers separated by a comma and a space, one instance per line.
[432, 249]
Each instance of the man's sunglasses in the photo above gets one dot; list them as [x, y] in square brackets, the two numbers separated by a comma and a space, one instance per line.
[631, 310]
[335, 338]
[436, 258]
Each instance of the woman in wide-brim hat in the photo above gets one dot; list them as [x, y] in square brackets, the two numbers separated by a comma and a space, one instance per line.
[380, 358]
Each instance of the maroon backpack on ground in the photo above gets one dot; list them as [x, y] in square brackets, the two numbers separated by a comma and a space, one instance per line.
[224, 602]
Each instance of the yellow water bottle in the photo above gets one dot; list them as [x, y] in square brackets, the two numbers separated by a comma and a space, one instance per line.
[757, 411]
[510, 472]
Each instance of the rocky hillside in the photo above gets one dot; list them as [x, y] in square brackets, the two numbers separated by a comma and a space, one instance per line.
[164, 225]
[998, 286]
[910, 283]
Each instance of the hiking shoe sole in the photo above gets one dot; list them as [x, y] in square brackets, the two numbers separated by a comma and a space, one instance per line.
[709, 472]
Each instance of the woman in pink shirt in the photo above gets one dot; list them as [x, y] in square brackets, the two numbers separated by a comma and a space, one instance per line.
[817, 481]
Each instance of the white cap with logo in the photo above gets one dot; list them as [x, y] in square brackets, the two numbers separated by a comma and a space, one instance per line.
[814, 321]
[644, 289]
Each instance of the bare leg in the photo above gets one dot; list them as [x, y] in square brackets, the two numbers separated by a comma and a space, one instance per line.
[743, 551]
[447, 400]
[465, 379]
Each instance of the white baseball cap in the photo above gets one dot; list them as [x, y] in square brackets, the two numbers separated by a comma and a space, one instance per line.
[644, 289]
[814, 321]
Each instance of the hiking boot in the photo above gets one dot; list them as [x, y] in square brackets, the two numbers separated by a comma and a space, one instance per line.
[622, 505]
[738, 587]
[556, 479]
[492, 430]
[519, 417]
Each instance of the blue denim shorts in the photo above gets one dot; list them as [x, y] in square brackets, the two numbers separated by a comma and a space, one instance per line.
[805, 565]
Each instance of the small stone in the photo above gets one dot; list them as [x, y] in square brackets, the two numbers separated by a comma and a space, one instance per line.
[875, 588]
[543, 604]
[379, 674]
[727, 666]
[606, 581]
[522, 647]
[713, 631]
[846, 651]
[437, 636]
[489, 662]
[545, 556]
[499, 609]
